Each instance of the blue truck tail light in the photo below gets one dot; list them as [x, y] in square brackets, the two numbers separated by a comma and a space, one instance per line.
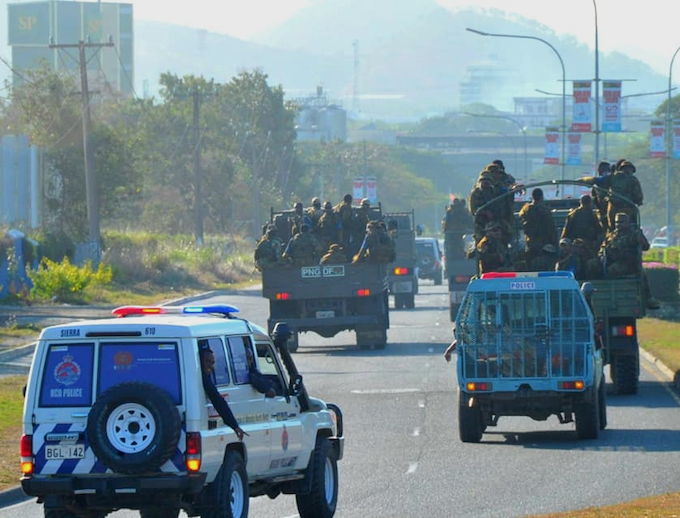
[478, 386]
[571, 385]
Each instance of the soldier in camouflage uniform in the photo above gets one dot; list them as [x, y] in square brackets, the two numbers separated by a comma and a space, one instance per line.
[492, 252]
[335, 255]
[482, 193]
[622, 186]
[344, 212]
[314, 212]
[303, 249]
[268, 250]
[378, 246]
[359, 225]
[328, 228]
[296, 218]
[599, 197]
[583, 223]
[621, 255]
[538, 225]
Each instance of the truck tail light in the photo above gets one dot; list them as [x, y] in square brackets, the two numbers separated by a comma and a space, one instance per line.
[401, 271]
[363, 292]
[623, 331]
[26, 450]
[462, 278]
[571, 385]
[475, 386]
[193, 452]
[283, 296]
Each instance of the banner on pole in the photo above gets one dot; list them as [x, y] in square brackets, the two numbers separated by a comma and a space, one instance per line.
[574, 149]
[656, 141]
[611, 120]
[583, 117]
[552, 146]
[357, 190]
[372, 189]
[676, 139]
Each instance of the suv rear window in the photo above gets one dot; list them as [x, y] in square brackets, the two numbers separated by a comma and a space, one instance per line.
[67, 377]
[151, 362]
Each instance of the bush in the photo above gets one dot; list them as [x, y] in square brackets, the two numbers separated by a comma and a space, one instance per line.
[671, 255]
[663, 281]
[65, 282]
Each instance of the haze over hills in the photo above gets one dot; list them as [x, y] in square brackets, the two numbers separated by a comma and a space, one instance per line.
[412, 56]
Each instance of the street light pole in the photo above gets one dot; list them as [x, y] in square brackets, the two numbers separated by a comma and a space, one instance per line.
[597, 92]
[669, 150]
[521, 128]
[564, 83]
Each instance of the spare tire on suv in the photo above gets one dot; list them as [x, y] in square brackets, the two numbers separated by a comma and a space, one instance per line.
[134, 427]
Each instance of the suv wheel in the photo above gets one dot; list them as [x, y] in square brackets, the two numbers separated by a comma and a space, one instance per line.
[229, 494]
[588, 419]
[602, 403]
[134, 427]
[470, 426]
[323, 498]
[438, 278]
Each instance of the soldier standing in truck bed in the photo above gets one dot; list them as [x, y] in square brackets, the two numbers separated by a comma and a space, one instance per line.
[492, 252]
[303, 249]
[538, 225]
[481, 194]
[583, 223]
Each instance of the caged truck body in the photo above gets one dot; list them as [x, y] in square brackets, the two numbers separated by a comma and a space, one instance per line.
[526, 347]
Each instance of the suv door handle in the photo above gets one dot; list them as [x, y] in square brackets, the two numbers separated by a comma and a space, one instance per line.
[81, 415]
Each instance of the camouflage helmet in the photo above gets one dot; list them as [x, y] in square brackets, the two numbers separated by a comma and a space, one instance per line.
[365, 202]
[625, 164]
[316, 201]
[298, 205]
[327, 205]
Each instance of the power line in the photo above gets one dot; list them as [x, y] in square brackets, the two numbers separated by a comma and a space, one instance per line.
[122, 66]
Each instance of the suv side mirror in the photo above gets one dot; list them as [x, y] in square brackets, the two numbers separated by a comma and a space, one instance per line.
[281, 334]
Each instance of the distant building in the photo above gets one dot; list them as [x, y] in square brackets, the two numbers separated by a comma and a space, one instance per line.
[32, 26]
[319, 119]
[489, 82]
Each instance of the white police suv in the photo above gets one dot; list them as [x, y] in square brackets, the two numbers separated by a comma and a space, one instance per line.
[116, 416]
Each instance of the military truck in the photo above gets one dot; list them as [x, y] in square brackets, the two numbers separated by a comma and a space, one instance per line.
[402, 273]
[328, 299]
[616, 303]
[458, 269]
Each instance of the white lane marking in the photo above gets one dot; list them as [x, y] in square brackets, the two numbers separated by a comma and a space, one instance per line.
[386, 391]
[421, 403]
[664, 382]
[416, 432]
[412, 467]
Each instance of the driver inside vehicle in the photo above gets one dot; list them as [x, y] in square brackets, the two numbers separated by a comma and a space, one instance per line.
[258, 380]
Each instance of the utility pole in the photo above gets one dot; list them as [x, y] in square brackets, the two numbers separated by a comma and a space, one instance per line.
[91, 191]
[198, 212]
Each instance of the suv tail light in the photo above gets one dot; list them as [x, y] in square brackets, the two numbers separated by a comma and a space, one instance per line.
[26, 449]
[193, 452]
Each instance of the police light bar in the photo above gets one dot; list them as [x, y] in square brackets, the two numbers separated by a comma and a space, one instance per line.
[220, 309]
[512, 275]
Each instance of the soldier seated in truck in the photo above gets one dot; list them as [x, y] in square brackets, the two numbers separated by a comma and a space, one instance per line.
[303, 248]
[378, 246]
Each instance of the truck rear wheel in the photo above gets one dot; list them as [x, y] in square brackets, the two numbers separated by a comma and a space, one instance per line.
[602, 403]
[470, 426]
[588, 419]
[410, 301]
[625, 372]
[399, 301]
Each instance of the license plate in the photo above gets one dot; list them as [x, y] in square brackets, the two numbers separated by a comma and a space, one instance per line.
[457, 296]
[325, 314]
[403, 287]
[62, 452]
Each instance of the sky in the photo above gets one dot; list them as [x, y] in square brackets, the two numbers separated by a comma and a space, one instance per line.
[644, 30]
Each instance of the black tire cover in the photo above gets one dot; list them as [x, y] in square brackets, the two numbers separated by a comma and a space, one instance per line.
[162, 410]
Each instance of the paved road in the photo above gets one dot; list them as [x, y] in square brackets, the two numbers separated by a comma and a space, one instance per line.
[403, 456]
